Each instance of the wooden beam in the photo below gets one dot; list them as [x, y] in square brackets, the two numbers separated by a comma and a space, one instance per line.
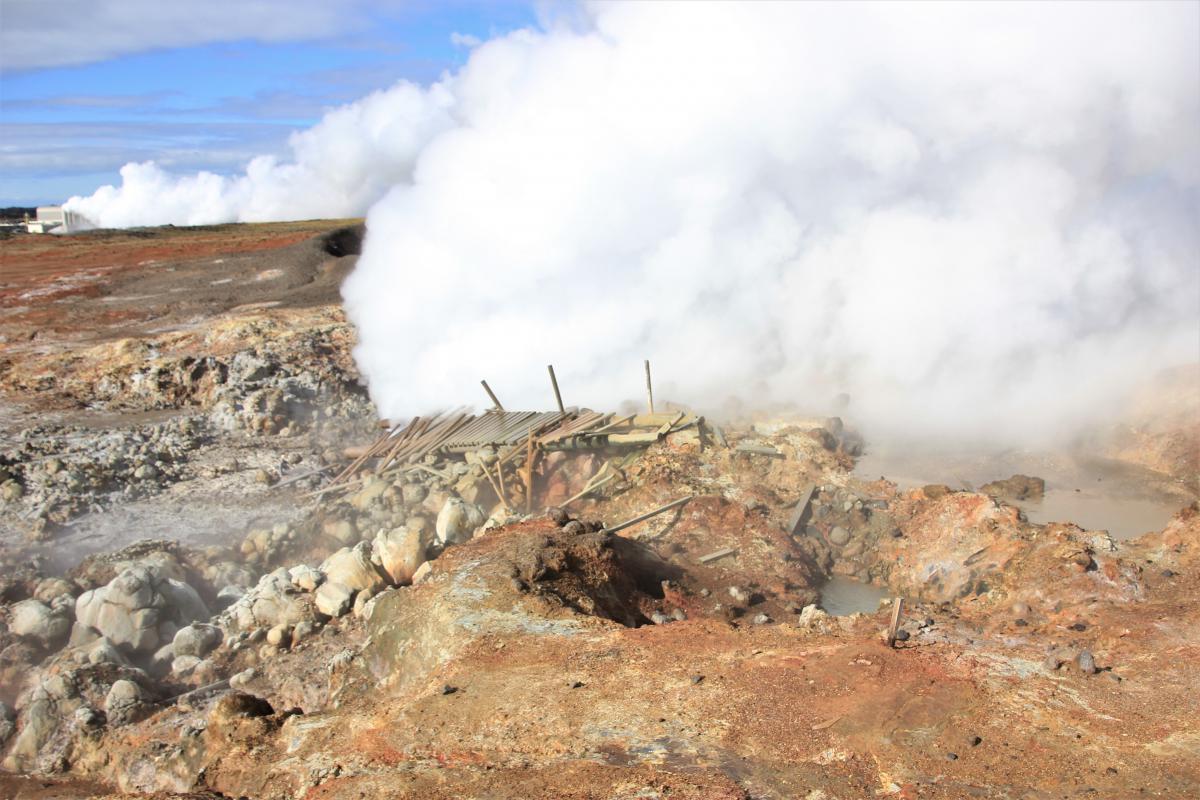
[894, 627]
[649, 388]
[557, 394]
[492, 395]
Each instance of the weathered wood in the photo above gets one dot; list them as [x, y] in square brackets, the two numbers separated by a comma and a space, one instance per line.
[894, 627]
[714, 555]
[800, 511]
[492, 395]
[557, 394]
[649, 388]
[631, 522]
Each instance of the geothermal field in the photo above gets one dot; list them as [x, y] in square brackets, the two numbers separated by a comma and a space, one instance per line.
[225, 576]
[510, 400]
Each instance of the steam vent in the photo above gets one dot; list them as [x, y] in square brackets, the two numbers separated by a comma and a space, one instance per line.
[626, 401]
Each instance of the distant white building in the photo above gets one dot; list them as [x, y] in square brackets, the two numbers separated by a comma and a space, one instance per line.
[55, 219]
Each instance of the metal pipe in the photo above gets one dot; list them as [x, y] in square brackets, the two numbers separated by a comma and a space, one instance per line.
[557, 395]
[649, 514]
[492, 395]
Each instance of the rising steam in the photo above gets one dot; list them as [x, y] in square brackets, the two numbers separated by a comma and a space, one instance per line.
[967, 216]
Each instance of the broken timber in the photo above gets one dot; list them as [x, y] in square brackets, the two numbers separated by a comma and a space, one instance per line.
[661, 509]
[894, 627]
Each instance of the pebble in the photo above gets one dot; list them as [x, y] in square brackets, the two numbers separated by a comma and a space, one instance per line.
[658, 618]
[761, 619]
[902, 635]
[448, 689]
[697, 679]
[576, 684]
[839, 535]
[679, 615]
[952, 756]
[974, 741]
[1086, 662]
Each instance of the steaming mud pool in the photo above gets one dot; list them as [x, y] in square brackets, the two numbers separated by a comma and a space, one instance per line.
[1094, 494]
[842, 596]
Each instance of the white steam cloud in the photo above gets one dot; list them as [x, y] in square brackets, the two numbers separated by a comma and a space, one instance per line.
[968, 216]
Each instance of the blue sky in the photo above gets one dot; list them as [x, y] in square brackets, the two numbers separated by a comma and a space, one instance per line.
[203, 85]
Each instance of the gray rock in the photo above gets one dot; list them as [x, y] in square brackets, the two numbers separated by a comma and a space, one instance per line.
[103, 651]
[305, 577]
[124, 703]
[34, 620]
[273, 601]
[1086, 662]
[352, 568]
[839, 535]
[334, 599]
[457, 521]
[140, 609]
[50, 588]
[303, 630]
[198, 640]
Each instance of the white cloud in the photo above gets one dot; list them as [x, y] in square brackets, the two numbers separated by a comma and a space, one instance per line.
[464, 40]
[35, 33]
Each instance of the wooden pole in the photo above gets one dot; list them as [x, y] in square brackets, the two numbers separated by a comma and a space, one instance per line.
[529, 454]
[492, 395]
[557, 395]
[897, 610]
[649, 388]
[631, 522]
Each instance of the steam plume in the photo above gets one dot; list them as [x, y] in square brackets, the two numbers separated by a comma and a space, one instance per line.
[967, 216]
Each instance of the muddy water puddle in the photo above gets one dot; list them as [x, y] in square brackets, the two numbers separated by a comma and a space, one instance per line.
[1093, 494]
[842, 596]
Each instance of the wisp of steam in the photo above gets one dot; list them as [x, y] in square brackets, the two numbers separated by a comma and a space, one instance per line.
[970, 217]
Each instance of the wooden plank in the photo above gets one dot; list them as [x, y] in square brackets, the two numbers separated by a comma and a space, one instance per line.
[799, 512]
[716, 554]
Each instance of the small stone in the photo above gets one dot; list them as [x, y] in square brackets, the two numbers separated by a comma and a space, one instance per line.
[279, 636]
[1166, 573]
[1086, 662]
[974, 741]
[761, 619]
[576, 684]
[901, 635]
[659, 618]
[679, 615]
[558, 516]
[303, 630]
[839, 535]
[574, 528]
[705, 592]
[952, 756]
[697, 679]
[448, 689]
[242, 678]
